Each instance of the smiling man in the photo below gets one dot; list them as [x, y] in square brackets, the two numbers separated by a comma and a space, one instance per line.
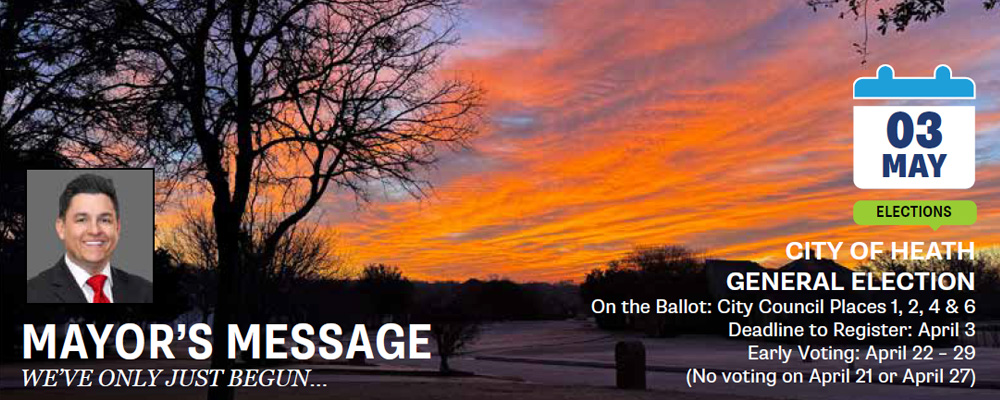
[89, 225]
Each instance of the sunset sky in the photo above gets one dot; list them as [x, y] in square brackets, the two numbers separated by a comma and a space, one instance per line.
[723, 126]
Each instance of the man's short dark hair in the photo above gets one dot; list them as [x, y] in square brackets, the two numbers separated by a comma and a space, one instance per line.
[91, 184]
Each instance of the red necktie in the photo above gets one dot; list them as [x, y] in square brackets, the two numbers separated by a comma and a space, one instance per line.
[96, 282]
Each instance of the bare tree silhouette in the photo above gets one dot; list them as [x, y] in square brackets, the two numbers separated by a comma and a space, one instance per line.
[271, 103]
[53, 60]
[451, 336]
[387, 290]
[305, 253]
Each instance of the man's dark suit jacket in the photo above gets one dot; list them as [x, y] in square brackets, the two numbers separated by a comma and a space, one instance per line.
[56, 285]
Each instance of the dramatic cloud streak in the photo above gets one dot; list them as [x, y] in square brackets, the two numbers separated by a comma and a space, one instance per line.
[616, 124]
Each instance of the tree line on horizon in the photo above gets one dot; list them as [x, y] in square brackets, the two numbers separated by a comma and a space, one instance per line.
[378, 294]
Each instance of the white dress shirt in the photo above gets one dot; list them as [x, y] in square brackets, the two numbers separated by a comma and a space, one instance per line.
[81, 275]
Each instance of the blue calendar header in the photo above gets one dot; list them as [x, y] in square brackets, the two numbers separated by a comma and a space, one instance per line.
[941, 86]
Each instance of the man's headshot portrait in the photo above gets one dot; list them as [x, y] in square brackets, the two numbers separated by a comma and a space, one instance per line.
[89, 221]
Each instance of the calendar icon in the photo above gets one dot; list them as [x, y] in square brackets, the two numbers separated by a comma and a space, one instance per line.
[915, 146]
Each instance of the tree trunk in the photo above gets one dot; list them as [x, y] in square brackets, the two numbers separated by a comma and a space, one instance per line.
[229, 293]
[445, 369]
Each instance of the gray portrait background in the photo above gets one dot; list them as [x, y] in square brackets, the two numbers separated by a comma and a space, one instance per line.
[134, 187]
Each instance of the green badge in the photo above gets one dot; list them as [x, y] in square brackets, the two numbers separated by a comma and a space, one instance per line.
[915, 212]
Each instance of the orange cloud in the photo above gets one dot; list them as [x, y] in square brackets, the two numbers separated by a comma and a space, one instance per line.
[719, 129]
[616, 124]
